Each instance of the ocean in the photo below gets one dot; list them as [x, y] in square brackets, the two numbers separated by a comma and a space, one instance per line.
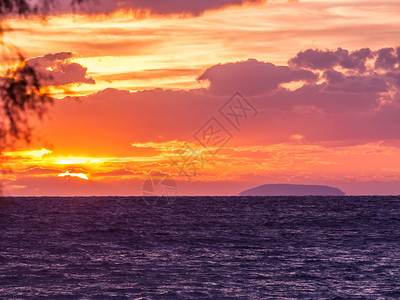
[200, 248]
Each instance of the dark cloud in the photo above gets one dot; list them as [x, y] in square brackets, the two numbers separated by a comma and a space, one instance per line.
[388, 58]
[57, 69]
[327, 59]
[338, 81]
[363, 69]
[251, 77]
[163, 7]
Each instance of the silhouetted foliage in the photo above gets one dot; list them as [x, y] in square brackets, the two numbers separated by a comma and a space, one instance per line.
[21, 97]
[21, 94]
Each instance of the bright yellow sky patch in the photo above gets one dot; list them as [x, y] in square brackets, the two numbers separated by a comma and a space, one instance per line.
[119, 49]
[79, 175]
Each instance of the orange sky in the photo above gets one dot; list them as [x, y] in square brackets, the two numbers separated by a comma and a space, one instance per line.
[150, 77]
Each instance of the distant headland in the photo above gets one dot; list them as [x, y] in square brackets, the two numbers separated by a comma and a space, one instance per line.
[292, 190]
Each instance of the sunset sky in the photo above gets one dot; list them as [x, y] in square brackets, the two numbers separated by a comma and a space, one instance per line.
[140, 83]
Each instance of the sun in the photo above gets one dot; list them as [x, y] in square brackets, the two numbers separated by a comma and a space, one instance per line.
[79, 175]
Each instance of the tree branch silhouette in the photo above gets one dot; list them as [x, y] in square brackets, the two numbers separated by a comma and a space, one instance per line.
[22, 97]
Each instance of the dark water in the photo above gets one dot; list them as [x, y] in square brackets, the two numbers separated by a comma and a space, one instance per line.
[194, 248]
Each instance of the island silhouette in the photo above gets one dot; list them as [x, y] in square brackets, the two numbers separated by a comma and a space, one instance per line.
[292, 190]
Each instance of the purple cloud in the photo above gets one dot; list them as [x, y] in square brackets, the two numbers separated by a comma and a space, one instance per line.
[338, 81]
[388, 58]
[327, 59]
[251, 77]
[57, 69]
[160, 7]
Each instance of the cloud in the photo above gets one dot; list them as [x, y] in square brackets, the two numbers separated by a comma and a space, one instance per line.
[333, 107]
[359, 71]
[328, 59]
[338, 81]
[294, 161]
[388, 58]
[58, 69]
[340, 122]
[163, 7]
[251, 77]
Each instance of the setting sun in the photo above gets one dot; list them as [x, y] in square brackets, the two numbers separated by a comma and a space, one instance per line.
[79, 175]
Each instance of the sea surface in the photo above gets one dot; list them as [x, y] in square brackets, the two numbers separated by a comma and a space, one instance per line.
[200, 248]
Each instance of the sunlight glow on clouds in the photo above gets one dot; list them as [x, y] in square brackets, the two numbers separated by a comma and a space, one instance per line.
[79, 175]
[122, 48]
[323, 75]
[36, 154]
